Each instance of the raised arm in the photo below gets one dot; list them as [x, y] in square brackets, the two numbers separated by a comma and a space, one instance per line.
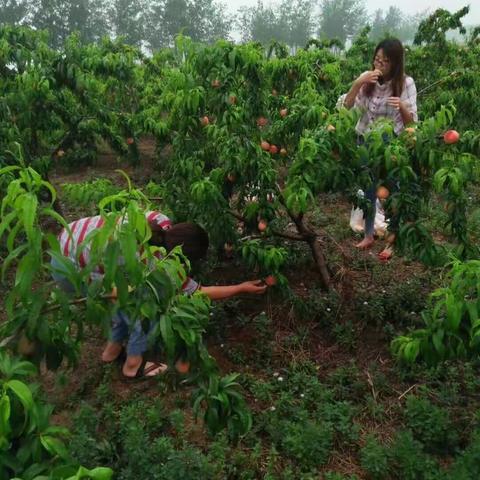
[220, 292]
[364, 78]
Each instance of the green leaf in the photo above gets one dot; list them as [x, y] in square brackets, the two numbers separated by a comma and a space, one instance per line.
[11, 257]
[23, 393]
[56, 216]
[4, 416]
[99, 473]
[29, 213]
[437, 338]
[54, 446]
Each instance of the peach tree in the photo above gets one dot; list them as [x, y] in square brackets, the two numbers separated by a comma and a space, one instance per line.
[44, 322]
[254, 145]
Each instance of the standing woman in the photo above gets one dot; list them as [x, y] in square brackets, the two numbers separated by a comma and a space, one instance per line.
[382, 92]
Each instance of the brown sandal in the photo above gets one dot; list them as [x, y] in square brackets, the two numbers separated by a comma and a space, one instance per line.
[143, 372]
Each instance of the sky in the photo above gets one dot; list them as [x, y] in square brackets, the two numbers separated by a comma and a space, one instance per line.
[407, 6]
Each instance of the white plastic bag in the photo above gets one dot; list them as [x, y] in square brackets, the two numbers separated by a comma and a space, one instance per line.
[357, 222]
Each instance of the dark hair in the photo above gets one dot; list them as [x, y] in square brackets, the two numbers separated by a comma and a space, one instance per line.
[191, 237]
[394, 51]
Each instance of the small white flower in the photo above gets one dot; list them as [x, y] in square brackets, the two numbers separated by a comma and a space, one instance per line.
[222, 345]
[470, 198]
[276, 374]
[302, 395]
[272, 408]
[412, 313]
[329, 309]
[280, 379]
[365, 302]
[384, 291]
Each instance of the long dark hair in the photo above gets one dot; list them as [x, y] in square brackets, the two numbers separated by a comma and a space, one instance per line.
[394, 51]
[192, 238]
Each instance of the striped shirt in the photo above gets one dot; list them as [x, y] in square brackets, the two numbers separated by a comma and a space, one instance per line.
[375, 106]
[81, 228]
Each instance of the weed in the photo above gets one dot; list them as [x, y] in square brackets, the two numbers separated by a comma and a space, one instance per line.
[309, 443]
[374, 459]
[430, 424]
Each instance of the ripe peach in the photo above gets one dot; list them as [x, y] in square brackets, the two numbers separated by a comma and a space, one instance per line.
[270, 281]
[182, 366]
[265, 145]
[262, 225]
[451, 136]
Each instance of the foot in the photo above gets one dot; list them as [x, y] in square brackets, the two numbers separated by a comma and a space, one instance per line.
[111, 352]
[367, 242]
[386, 254]
[136, 367]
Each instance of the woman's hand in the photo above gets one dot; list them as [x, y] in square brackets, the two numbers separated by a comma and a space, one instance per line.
[365, 78]
[399, 106]
[254, 286]
[395, 102]
[369, 77]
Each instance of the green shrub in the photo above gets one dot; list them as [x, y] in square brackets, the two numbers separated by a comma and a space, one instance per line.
[430, 424]
[341, 415]
[407, 461]
[374, 459]
[467, 465]
[338, 476]
[348, 383]
[309, 443]
[88, 194]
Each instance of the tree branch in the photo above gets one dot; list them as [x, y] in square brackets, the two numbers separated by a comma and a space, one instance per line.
[77, 301]
[289, 236]
[236, 215]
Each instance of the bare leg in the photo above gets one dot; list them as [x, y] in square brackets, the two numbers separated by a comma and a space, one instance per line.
[369, 216]
[111, 351]
[367, 242]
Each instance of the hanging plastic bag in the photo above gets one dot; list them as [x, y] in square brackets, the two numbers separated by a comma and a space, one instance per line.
[357, 222]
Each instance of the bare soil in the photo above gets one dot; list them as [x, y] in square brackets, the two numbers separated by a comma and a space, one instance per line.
[66, 388]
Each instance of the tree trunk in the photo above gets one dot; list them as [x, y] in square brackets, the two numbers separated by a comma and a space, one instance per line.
[320, 261]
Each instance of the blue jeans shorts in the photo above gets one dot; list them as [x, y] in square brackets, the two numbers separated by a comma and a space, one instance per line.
[122, 327]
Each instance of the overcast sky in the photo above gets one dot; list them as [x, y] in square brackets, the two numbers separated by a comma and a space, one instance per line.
[407, 6]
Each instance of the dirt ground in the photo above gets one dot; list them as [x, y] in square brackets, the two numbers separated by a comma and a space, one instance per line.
[66, 388]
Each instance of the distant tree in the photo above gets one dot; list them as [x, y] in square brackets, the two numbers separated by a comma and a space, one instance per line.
[202, 20]
[52, 15]
[13, 12]
[63, 17]
[128, 20]
[295, 21]
[394, 22]
[290, 22]
[341, 18]
[90, 18]
[258, 23]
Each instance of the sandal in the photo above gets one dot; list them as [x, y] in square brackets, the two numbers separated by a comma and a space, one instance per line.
[144, 372]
